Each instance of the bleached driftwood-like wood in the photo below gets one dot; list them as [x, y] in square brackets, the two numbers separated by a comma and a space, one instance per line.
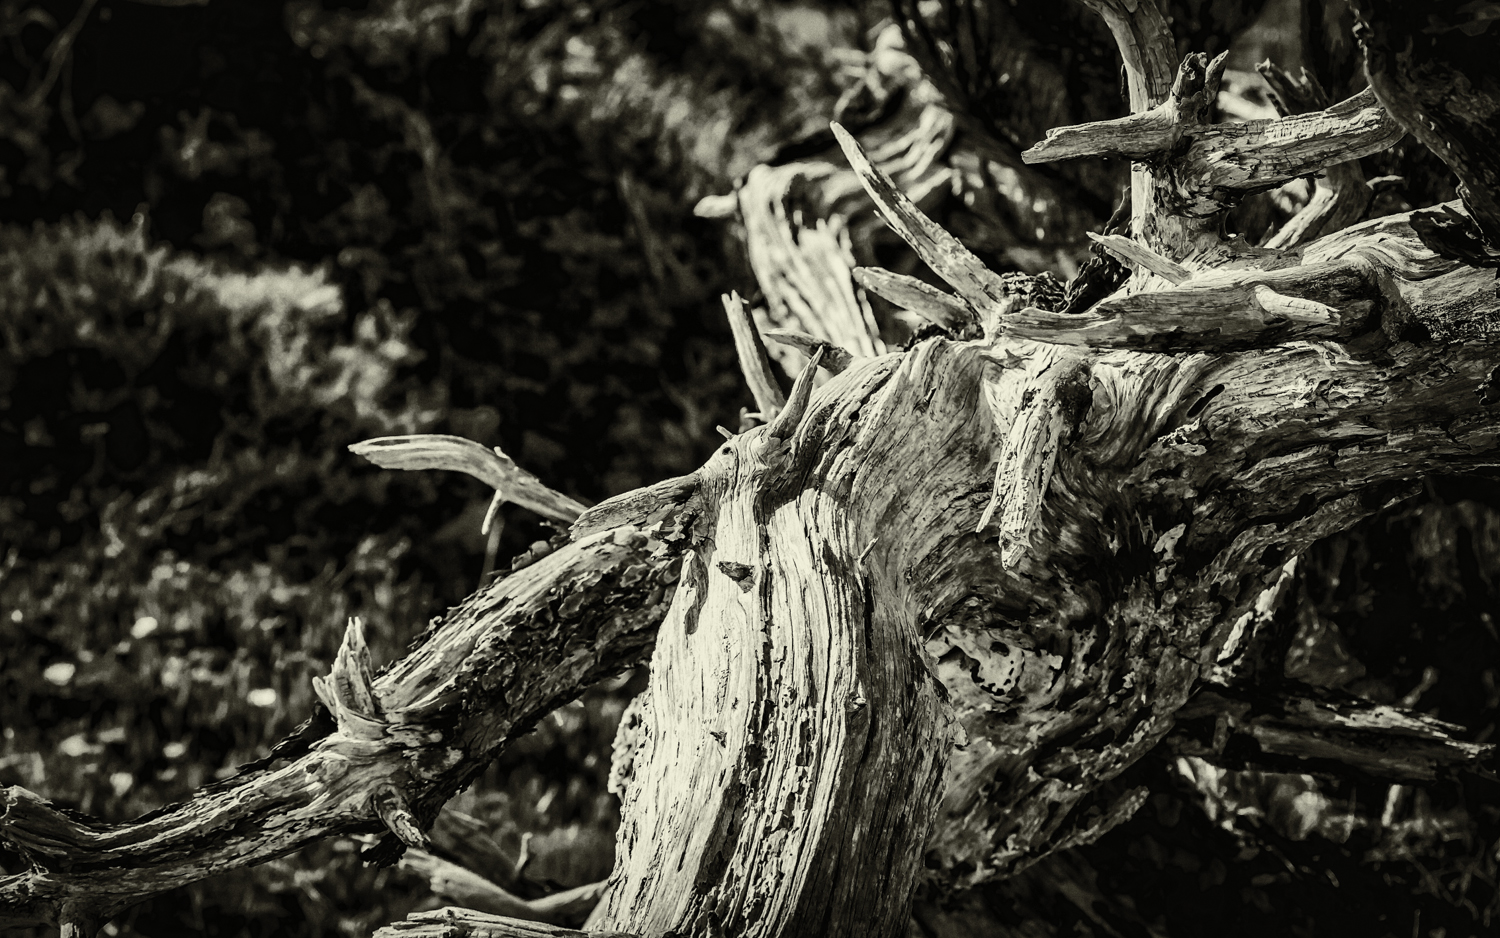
[1149, 134]
[492, 467]
[755, 364]
[799, 618]
[469, 923]
[467, 889]
[834, 358]
[1225, 311]
[803, 261]
[1143, 257]
[927, 301]
[1226, 161]
[977, 285]
[868, 685]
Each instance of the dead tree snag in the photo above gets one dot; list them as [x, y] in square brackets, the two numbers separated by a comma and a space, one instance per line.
[905, 634]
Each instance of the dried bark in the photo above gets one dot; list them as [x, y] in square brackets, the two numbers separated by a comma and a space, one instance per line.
[931, 610]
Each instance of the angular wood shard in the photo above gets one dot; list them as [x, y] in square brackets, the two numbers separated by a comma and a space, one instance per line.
[1129, 250]
[389, 803]
[975, 283]
[754, 361]
[790, 417]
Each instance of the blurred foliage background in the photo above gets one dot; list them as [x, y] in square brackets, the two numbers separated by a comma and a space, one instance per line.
[238, 235]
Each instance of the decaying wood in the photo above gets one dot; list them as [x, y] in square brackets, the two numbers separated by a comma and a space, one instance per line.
[1433, 66]
[407, 738]
[978, 286]
[468, 923]
[467, 889]
[754, 362]
[803, 261]
[834, 359]
[1316, 731]
[927, 301]
[492, 467]
[909, 633]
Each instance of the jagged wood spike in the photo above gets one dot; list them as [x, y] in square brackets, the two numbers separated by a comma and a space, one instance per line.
[835, 359]
[924, 299]
[389, 803]
[1128, 249]
[754, 361]
[791, 415]
[980, 287]
[347, 689]
[492, 467]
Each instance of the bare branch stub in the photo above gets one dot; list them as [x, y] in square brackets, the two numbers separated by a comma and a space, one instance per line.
[490, 466]
[835, 360]
[754, 362]
[927, 301]
[468, 923]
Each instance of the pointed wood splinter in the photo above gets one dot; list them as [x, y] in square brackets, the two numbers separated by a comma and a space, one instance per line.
[787, 420]
[1128, 249]
[835, 359]
[348, 691]
[492, 467]
[980, 287]
[754, 361]
[924, 299]
[390, 804]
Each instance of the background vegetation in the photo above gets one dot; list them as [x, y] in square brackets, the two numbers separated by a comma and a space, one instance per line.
[239, 235]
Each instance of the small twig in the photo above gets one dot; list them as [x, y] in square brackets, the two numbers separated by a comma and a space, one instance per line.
[492, 467]
[58, 53]
[790, 417]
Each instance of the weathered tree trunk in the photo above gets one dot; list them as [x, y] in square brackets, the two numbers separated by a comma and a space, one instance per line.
[908, 631]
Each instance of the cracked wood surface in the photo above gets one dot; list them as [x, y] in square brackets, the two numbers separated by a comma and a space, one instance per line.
[426, 725]
[927, 614]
